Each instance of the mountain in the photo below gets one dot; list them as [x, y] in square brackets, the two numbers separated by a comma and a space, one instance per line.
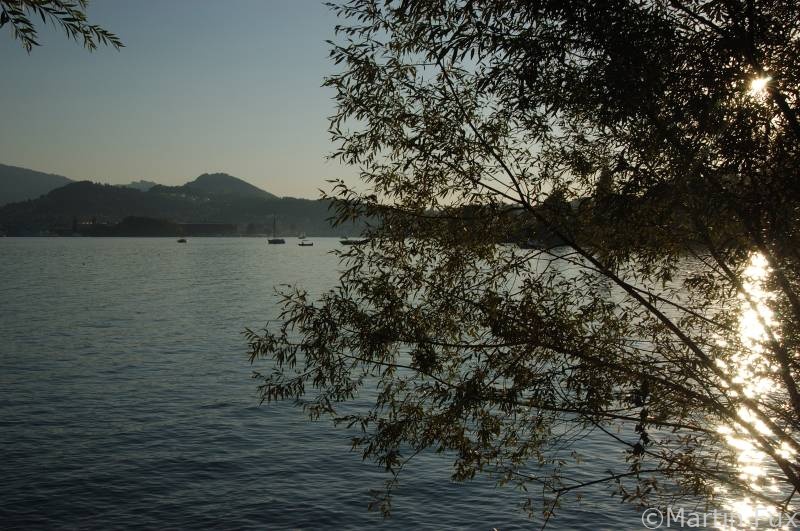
[224, 184]
[97, 209]
[140, 185]
[19, 184]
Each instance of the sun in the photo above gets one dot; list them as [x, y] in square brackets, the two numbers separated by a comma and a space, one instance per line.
[759, 85]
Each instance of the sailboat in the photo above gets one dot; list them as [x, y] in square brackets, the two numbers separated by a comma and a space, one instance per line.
[274, 239]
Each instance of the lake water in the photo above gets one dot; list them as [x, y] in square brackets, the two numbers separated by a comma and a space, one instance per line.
[126, 402]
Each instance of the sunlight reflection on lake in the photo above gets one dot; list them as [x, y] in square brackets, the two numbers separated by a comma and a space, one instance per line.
[753, 372]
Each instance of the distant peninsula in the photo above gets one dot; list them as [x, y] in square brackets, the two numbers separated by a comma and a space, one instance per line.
[214, 204]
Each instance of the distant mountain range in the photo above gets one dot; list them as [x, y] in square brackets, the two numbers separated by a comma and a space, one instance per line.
[212, 204]
[20, 184]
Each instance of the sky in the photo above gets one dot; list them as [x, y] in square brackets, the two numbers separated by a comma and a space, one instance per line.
[202, 86]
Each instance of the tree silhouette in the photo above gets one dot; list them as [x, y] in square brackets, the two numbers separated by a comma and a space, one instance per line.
[658, 141]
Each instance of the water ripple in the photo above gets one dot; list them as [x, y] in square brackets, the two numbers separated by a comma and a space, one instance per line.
[126, 402]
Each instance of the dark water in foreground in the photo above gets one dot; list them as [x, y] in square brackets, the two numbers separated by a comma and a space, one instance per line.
[126, 402]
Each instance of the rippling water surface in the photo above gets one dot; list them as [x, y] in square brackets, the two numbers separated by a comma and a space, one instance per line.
[125, 401]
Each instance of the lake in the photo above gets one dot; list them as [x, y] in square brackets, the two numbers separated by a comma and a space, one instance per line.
[126, 402]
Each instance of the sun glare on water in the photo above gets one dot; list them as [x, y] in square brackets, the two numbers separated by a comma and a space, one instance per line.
[750, 369]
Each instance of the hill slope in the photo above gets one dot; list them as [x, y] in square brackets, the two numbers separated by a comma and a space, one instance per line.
[20, 184]
[224, 184]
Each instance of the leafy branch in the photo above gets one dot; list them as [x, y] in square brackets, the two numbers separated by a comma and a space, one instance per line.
[69, 15]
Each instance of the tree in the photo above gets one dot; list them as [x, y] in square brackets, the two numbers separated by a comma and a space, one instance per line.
[668, 324]
[70, 15]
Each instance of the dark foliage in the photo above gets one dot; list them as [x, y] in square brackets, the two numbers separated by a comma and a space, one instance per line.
[659, 141]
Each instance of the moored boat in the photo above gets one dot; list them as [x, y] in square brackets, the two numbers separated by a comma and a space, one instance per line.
[274, 239]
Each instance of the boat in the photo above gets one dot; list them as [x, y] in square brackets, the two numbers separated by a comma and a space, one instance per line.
[353, 241]
[181, 240]
[304, 243]
[275, 240]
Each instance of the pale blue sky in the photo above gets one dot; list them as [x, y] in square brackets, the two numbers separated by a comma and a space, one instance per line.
[202, 86]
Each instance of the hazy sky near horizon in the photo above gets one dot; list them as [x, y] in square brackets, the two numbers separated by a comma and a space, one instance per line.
[201, 86]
